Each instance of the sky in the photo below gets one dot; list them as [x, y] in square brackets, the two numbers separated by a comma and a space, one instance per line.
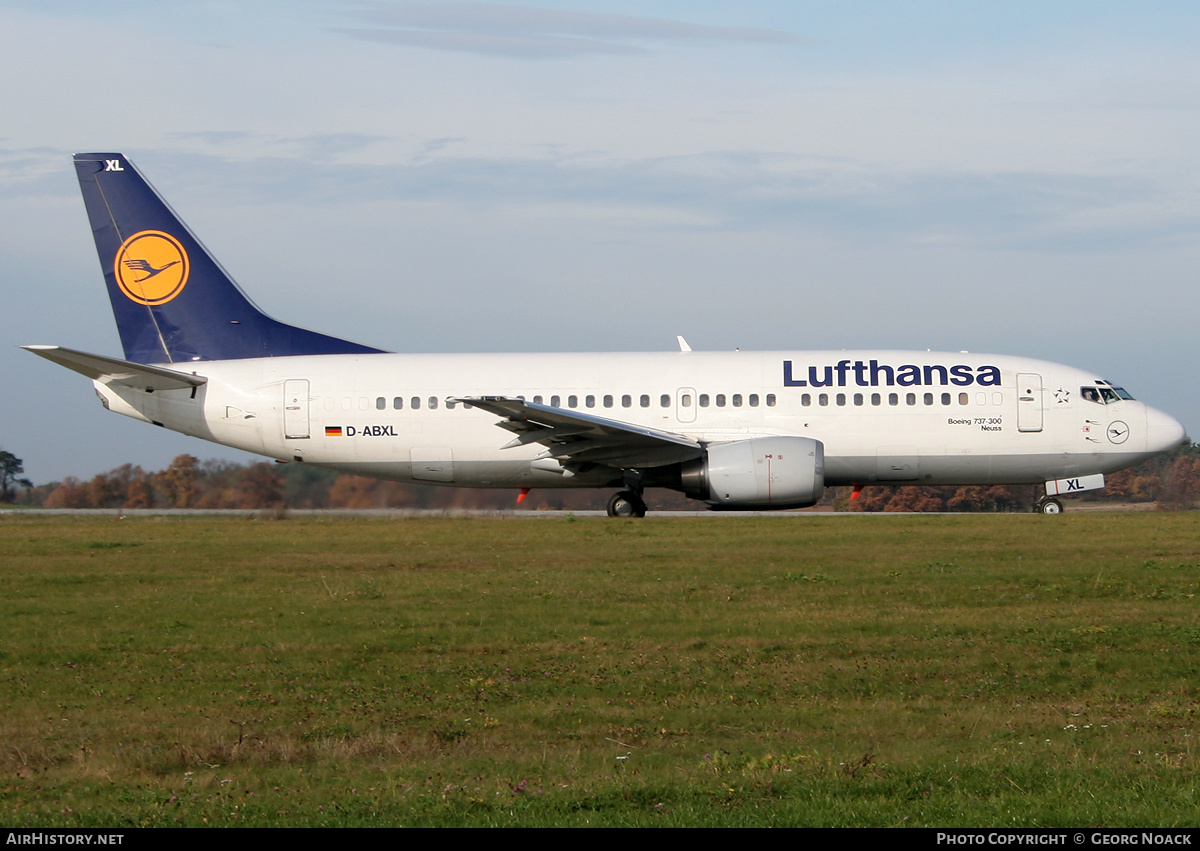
[1012, 177]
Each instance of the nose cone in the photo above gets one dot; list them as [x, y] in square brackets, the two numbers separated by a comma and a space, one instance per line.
[1163, 431]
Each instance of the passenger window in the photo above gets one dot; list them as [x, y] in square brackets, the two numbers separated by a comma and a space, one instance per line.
[893, 398]
[644, 401]
[590, 401]
[876, 399]
[737, 400]
[910, 398]
[823, 399]
[997, 398]
[537, 400]
[398, 403]
[665, 400]
[608, 401]
[720, 400]
[572, 401]
[433, 403]
[964, 398]
[626, 401]
[380, 403]
[450, 404]
[928, 398]
[555, 402]
[685, 400]
[703, 400]
[806, 400]
[945, 398]
[858, 399]
[841, 399]
[770, 400]
[415, 403]
[753, 400]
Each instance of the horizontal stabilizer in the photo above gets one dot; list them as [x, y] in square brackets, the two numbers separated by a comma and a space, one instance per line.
[117, 371]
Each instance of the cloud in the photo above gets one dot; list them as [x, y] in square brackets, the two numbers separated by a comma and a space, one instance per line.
[215, 138]
[30, 172]
[723, 191]
[748, 191]
[314, 147]
[529, 32]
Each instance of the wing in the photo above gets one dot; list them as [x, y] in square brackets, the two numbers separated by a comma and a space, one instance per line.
[582, 438]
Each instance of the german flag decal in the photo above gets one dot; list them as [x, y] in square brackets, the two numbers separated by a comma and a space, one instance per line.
[333, 431]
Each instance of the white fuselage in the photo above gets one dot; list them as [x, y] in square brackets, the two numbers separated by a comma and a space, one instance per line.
[885, 416]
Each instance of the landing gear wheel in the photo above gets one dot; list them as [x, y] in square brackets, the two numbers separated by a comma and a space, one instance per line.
[1048, 506]
[626, 504]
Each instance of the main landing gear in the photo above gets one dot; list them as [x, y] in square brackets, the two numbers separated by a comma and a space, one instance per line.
[1048, 505]
[626, 504]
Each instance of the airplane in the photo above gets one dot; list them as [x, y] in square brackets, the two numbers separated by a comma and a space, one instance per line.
[734, 430]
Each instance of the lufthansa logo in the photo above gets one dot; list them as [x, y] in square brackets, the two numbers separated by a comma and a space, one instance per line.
[151, 267]
[1118, 432]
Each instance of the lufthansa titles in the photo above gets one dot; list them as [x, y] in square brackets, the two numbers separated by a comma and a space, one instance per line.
[872, 373]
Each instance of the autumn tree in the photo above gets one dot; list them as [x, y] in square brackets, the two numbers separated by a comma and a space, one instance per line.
[1181, 490]
[70, 493]
[178, 482]
[112, 489]
[217, 484]
[138, 493]
[945, 498]
[259, 487]
[350, 491]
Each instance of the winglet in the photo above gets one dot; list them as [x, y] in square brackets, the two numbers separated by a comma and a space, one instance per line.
[683, 346]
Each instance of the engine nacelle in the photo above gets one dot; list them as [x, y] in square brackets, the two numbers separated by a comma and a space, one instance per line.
[765, 472]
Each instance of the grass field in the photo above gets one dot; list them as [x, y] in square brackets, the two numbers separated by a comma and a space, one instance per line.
[1011, 670]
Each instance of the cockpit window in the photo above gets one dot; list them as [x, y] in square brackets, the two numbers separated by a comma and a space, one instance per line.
[1103, 395]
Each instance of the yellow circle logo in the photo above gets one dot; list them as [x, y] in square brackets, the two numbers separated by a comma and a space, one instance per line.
[151, 267]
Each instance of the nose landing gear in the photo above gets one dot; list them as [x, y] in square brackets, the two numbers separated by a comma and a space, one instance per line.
[1048, 505]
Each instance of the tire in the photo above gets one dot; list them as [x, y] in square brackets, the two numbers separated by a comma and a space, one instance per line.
[1050, 506]
[626, 504]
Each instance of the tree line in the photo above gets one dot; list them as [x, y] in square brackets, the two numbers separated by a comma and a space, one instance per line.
[1170, 481]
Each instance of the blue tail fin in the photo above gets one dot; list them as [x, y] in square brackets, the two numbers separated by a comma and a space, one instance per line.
[173, 302]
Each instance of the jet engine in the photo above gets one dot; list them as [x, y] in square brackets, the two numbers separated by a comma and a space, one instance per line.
[764, 472]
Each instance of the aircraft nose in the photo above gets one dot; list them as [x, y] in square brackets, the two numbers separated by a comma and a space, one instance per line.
[1163, 431]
